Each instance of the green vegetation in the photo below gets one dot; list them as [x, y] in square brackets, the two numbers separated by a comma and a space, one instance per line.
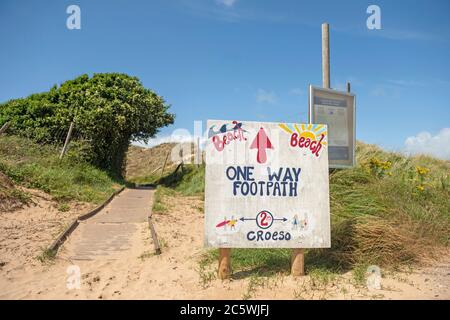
[321, 277]
[159, 206]
[108, 110]
[10, 197]
[148, 179]
[206, 273]
[389, 210]
[146, 255]
[359, 273]
[38, 166]
[393, 215]
[63, 207]
[188, 180]
[263, 262]
[47, 256]
[254, 284]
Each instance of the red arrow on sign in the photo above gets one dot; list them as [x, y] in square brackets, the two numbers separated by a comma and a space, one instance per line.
[261, 143]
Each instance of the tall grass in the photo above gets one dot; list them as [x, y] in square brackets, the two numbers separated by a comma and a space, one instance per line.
[190, 180]
[384, 211]
[388, 213]
[38, 166]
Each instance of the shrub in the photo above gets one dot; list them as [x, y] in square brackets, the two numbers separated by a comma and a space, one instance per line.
[108, 111]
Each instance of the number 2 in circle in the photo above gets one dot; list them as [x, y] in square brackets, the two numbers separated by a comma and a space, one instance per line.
[264, 219]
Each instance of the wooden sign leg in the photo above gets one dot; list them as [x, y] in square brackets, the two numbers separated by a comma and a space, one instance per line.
[298, 263]
[224, 271]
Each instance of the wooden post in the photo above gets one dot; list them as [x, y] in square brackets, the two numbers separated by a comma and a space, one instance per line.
[326, 55]
[348, 87]
[4, 127]
[224, 271]
[66, 143]
[154, 237]
[164, 165]
[199, 161]
[298, 263]
[182, 160]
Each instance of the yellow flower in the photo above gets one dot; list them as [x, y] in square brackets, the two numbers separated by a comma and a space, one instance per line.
[422, 170]
[420, 188]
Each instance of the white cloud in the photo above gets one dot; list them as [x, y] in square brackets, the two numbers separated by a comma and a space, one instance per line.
[227, 3]
[397, 34]
[182, 150]
[264, 96]
[340, 86]
[406, 83]
[178, 136]
[424, 143]
[379, 92]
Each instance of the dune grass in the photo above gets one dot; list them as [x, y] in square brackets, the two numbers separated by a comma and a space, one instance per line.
[159, 204]
[388, 210]
[188, 180]
[38, 166]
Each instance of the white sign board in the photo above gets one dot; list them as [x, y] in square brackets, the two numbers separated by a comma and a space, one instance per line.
[266, 185]
[337, 110]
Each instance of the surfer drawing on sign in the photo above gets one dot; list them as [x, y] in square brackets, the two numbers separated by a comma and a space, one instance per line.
[231, 223]
[235, 126]
[226, 134]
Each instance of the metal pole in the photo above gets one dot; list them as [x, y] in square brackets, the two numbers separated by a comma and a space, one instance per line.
[348, 87]
[326, 55]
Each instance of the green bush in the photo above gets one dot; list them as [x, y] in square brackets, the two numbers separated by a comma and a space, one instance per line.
[109, 110]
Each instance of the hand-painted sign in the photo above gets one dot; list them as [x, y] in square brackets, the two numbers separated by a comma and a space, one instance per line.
[266, 185]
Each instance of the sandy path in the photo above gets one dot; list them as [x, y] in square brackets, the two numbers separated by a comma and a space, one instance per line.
[175, 274]
[113, 230]
[25, 233]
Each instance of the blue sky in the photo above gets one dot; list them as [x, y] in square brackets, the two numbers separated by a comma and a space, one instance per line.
[247, 59]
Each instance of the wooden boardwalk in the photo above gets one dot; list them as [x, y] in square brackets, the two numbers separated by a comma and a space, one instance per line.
[114, 229]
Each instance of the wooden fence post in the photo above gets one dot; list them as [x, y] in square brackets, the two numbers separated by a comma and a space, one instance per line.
[66, 143]
[182, 160]
[224, 271]
[164, 165]
[199, 160]
[4, 127]
[298, 263]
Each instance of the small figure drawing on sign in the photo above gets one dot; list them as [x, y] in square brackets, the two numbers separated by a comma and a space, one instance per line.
[303, 224]
[295, 222]
[232, 223]
[225, 223]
